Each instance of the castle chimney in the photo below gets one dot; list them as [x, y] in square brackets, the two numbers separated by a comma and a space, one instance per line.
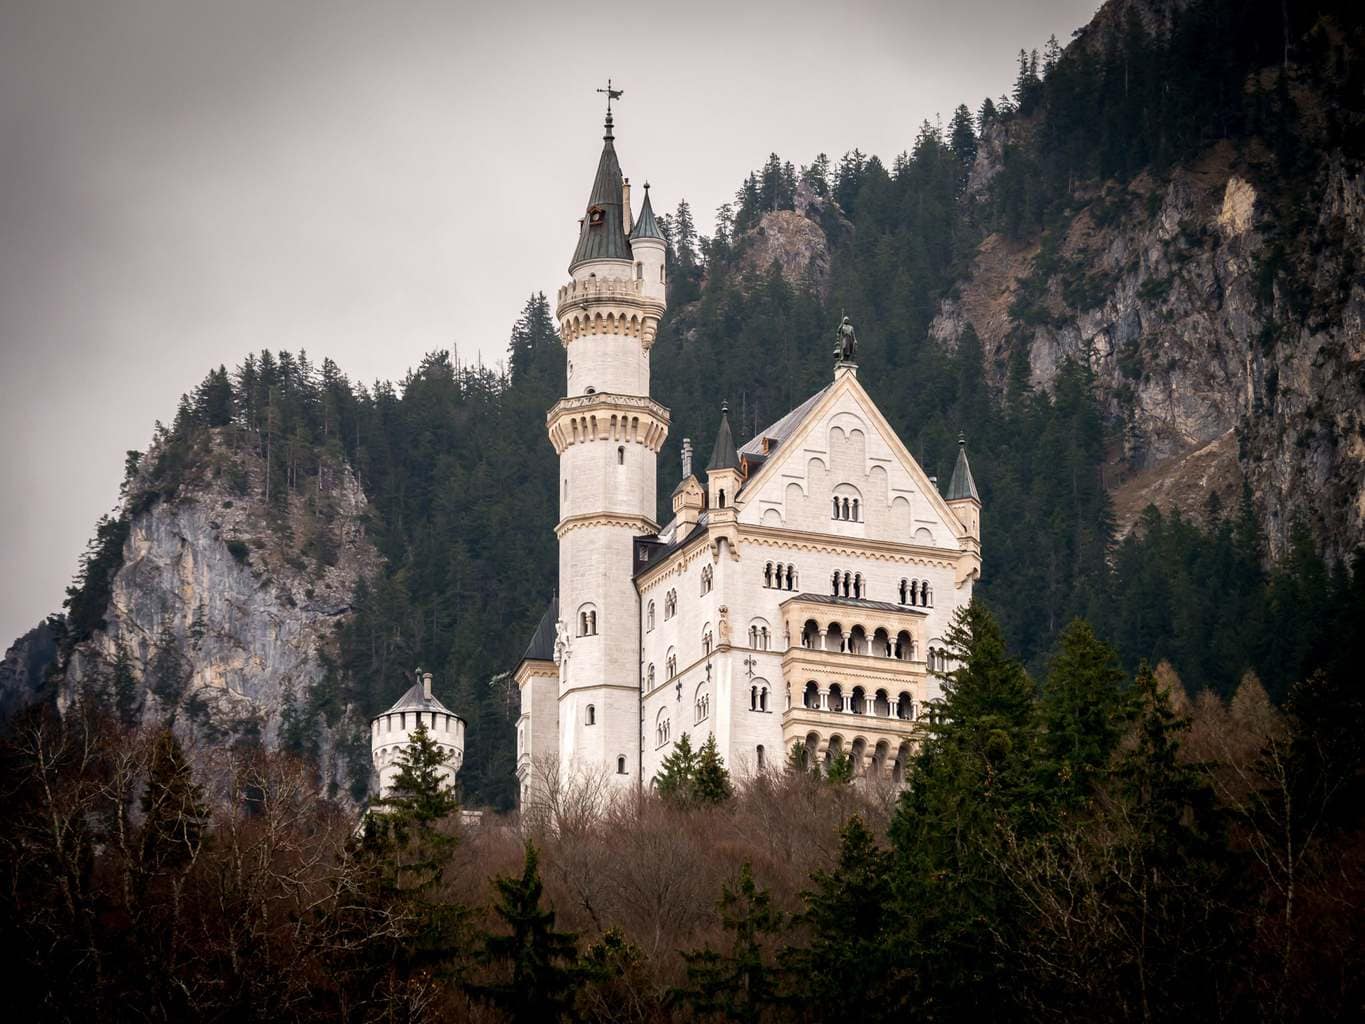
[625, 205]
[687, 457]
[426, 686]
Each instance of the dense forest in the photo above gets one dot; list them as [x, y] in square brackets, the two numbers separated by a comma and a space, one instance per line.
[1083, 843]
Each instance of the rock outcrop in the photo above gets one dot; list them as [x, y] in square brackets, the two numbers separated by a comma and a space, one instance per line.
[217, 621]
[798, 241]
[1164, 287]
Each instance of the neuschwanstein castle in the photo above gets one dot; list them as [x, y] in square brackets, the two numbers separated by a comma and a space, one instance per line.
[800, 591]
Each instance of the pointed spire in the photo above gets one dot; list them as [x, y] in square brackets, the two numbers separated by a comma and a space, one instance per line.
[962, 485]
[646, 226]
[602, 233]
[724, 455]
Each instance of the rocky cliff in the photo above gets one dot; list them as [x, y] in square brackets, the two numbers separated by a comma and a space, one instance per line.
[222, 614]
[1214, 369]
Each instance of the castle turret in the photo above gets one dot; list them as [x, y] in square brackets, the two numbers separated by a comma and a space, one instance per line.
[607, 433]
[965, 502]
[723, 477]
[392, 731]
[648, 247]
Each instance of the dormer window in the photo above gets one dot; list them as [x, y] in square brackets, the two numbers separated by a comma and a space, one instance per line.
[596, 216]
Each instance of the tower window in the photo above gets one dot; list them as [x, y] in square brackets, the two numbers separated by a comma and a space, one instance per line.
[592, 714]
[621, 765]
[621, 455]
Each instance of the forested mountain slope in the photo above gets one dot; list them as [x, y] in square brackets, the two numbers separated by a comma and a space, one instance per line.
[1152, 248]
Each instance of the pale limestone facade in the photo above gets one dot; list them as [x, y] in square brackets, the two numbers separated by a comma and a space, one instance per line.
[799, 597]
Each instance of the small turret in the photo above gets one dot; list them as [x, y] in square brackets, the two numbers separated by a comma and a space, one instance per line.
[962, 495]
[392, 731]
[723, 476]
[648, 247]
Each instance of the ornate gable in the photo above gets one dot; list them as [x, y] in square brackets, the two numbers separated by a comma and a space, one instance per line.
[843, 471]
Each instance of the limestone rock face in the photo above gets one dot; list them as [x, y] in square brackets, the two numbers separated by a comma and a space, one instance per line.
[220, 621]
[1164, 288]
[798, 240]
[23, 670]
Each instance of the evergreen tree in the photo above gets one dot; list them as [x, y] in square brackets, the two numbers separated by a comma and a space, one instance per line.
[1082, 712]
[535, 963]
[741, 984]
[851, 971]
[677, 774]
[962, 136]
[710, 780]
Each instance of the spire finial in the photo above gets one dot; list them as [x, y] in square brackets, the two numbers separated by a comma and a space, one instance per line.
[725, 408]
[961, 439]
[612, 94]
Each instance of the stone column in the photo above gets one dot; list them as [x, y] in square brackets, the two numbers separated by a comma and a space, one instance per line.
[824, 698]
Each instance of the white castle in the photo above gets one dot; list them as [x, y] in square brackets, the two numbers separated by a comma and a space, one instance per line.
[391, 732]
[797, 597]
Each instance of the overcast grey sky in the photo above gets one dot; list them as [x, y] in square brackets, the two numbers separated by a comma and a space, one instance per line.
[185, 181]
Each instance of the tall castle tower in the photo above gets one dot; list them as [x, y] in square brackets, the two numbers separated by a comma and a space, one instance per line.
[607, 433]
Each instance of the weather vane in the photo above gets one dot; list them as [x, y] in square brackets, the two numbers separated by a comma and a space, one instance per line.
[612, 94]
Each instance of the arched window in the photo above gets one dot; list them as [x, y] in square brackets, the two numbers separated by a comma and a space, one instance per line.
[621, 764]
[592, 715]
[914, 592]
[845, 508]
[701, 705]
[707, 579]
[761, 763]
[848, 583]
[836, 508]
[706, 639]
[836, 582]
[791, 577]
[768, 574]
[753, 698]
[587, 621]
[671, 664]
[649, 617]
[762, 698]
[621, 455]
[858, 585]
[904, 591]
[670, 604]
[639, 271]
[722, 498]
[649, 677]
[856, 517]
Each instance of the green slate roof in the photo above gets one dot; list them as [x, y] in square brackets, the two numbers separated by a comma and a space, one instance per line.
[603, 237]
[723, 455]
[646, 226]
[962, 485]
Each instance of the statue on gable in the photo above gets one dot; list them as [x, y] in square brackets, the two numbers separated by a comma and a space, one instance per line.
[846, 351]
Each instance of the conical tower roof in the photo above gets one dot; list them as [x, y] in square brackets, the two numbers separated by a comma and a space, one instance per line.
[724, 455]
[962, 485]
[602, 233]
[646, 226]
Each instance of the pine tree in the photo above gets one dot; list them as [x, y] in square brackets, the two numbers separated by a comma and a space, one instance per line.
[741, 984]
[535, 963]
[677, 774]
[1082, 712]
[710, 780]
[962, 136]
[857, 972]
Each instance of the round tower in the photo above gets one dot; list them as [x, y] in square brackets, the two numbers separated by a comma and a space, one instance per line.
[607, 433]
[391, 732]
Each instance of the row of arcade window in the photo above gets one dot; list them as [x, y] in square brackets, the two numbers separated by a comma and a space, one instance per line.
[847, 509]
[759, 639]
[847, 584]
[916, 593]
[779, 576]
[587, 623]
[708, 579]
